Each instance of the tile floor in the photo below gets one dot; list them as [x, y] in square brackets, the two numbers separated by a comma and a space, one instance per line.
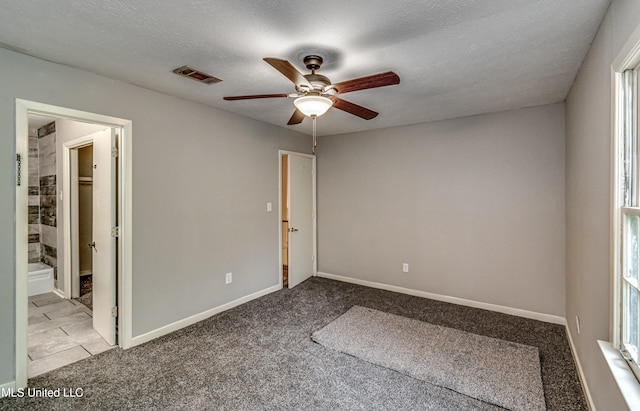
[60, 332]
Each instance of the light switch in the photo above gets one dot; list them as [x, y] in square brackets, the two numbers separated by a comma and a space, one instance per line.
[269, 207]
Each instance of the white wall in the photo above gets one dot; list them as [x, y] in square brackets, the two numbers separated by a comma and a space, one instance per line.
[475, 206]
[588, 200]
[201, 178]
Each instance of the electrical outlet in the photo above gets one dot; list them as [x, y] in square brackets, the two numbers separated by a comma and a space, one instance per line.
[229, 278]
[578, 324]
[405, 267]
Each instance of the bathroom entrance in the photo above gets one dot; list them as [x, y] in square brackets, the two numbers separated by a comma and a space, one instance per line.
[70, 217]
[70, 310]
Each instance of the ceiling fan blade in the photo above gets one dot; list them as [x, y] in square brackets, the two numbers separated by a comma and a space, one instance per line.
[296, 118]
[290, 72]
[376, 80]
[254, 96]
[354, 109]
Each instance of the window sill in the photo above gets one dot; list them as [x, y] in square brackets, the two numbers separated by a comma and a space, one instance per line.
[622, 374]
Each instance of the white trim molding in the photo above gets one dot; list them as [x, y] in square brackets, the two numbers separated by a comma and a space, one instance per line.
[581, 375]
[22, 254]
[454, 300]
[58, 292]
[185, 322]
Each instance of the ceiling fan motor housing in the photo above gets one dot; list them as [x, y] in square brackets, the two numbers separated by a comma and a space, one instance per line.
[318, 81]
[313, 62]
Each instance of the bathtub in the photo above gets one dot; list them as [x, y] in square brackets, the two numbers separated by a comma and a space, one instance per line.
[40, 278]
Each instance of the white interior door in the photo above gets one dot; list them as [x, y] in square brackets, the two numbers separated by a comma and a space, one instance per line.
[301, 232]
[104, 218]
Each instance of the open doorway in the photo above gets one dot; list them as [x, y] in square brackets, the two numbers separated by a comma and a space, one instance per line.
[91, 222]
[298, 217]
[82, 225]
[42, 313]
[64, 323]
[284, 201]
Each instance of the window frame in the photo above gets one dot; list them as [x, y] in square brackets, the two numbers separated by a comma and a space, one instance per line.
[624, 202]
[630, 353]
[628, 57]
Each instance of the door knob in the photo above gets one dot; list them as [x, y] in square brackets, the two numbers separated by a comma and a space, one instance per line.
[293, 230]
[92, 245]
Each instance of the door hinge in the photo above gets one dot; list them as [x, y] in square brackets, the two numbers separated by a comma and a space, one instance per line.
[115, 231]
[114, 311]
[18, 169]
[114, 152]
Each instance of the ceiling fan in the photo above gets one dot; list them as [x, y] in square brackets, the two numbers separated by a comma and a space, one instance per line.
[315, 94]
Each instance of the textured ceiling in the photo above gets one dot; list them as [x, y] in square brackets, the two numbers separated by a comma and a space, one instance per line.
[454, 57]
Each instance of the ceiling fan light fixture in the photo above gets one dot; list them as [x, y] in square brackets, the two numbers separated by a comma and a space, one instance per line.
[313, 105]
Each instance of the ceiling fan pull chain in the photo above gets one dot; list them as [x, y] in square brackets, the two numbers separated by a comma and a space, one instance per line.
[315, 140]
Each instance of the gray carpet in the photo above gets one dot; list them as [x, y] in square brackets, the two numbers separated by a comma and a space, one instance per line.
[258, 356]
[495, 371]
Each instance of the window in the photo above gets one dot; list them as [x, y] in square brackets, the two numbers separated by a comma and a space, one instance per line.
[627, 220]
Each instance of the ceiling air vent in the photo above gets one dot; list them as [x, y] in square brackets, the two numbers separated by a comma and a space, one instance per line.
[196, 75]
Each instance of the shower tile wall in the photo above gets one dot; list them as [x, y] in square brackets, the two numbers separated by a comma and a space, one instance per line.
[34, 200]
[48, 199]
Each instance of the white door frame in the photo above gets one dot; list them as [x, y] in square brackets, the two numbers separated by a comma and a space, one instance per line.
[70, 216]
[282, 153]
[125, 168]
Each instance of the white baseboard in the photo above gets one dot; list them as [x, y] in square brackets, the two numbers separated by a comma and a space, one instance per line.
[583, 379]
[7, 388]
[454, 300]
[169, 328]
[58, 292]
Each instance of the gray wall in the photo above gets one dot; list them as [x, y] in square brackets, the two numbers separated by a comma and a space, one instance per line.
[475, 206]
[588, 200]
[201, 178]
